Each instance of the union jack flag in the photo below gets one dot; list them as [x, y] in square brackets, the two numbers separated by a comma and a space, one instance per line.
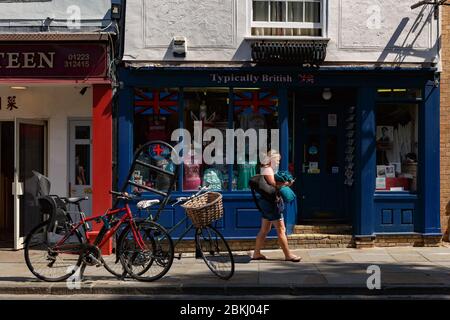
[155, 102]
[263, 102]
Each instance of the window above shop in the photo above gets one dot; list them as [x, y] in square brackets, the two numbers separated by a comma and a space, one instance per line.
[287, 18]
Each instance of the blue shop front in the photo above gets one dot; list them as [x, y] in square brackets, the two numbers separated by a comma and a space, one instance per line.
[362, 143]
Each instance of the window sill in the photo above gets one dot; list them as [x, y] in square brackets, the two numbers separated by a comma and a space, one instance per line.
[404, 195]
[299, 38]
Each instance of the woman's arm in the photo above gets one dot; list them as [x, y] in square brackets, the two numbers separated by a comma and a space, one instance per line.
[271, 180]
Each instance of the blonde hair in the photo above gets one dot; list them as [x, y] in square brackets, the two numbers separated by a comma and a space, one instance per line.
[271, 155]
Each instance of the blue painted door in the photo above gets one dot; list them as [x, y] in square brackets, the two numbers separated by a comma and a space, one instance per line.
[320, 165]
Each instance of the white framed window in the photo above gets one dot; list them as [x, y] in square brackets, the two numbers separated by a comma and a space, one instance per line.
[287, 18]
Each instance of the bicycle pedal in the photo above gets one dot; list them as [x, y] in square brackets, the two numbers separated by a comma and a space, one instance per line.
[179, 256]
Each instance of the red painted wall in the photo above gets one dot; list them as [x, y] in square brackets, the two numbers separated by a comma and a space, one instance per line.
[102, 152]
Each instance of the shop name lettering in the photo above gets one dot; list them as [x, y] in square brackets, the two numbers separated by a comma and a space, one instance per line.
[262, 78]
[251, 78]
[11, 103]
[27, 60]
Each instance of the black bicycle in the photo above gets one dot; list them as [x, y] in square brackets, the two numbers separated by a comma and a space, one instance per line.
[154, 161]
[210, 244]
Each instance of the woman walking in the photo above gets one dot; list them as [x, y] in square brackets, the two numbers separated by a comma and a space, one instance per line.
[271, 212]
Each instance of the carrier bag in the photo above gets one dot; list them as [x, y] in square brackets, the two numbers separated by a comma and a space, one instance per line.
[259, 184]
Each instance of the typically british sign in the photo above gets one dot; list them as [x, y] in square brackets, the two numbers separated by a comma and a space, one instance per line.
[61, 60]
[254, 78]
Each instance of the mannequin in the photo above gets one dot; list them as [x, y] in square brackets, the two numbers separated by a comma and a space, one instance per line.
[203, 114]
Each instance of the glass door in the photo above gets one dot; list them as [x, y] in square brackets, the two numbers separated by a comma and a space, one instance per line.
[30, 155]
[80, 162]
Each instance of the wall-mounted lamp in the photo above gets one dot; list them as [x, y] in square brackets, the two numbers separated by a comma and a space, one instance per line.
[327, 94]
[19, 88]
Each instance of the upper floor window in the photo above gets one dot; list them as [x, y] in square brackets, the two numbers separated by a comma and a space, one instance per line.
[287, 18]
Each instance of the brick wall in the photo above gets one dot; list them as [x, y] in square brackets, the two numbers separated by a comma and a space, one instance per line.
[445, 123]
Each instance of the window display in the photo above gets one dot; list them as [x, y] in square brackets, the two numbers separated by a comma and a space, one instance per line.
[397, 146]
[158, 112]
[155, 115]
[159, 156]
[209, 107]
[253, 109]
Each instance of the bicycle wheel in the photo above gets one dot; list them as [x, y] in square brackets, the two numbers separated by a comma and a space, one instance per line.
[112, 262]
[154, 260]
[215, 251]
[48, 262]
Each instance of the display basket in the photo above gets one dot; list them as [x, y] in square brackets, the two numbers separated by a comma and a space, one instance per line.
[204, 209]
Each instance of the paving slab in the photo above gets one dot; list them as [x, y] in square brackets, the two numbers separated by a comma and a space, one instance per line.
[372, 257]
[408, 257]
[290, 278]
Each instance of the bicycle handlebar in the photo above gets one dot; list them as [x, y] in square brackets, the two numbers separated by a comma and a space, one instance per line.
[123, 195]
[185, 199]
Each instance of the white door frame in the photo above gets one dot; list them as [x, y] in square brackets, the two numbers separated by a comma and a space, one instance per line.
[18, 186]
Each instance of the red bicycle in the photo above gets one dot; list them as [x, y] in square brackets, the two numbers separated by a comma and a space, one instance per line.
[58, 247]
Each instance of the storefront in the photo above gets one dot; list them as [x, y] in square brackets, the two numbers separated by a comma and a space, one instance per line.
[55, 114]
[363, 143]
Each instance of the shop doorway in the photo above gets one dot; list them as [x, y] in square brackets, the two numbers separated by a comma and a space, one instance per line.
[320, 158]
[80, 162]
[30, 155]
[6, 181]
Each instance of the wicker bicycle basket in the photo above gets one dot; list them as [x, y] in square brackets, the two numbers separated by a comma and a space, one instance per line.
[204, 209]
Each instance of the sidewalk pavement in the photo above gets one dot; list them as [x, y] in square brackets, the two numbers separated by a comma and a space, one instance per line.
[413, 270]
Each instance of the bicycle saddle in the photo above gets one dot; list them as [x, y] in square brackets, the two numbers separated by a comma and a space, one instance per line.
[146, 203]
[75, 200]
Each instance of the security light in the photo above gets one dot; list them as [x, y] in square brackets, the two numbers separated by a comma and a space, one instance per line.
[179, 46]
[116, 11]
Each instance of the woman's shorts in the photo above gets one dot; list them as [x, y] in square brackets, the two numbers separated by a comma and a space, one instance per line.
[270, 211]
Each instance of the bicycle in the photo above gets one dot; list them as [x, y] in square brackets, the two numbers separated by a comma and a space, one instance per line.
[209, 242]
[59, 239]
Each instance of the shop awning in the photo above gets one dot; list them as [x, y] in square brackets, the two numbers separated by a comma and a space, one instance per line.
[298, 53]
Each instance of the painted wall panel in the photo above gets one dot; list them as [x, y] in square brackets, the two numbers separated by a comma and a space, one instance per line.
[207, 24]
[359, 31]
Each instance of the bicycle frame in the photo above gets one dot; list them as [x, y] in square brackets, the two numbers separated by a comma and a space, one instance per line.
[103, 236]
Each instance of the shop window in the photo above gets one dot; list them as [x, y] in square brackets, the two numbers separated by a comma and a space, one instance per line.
[287, 18]
[158, 112]
[253, 109]
[209, 108]
[156, 116]
[397, 143]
